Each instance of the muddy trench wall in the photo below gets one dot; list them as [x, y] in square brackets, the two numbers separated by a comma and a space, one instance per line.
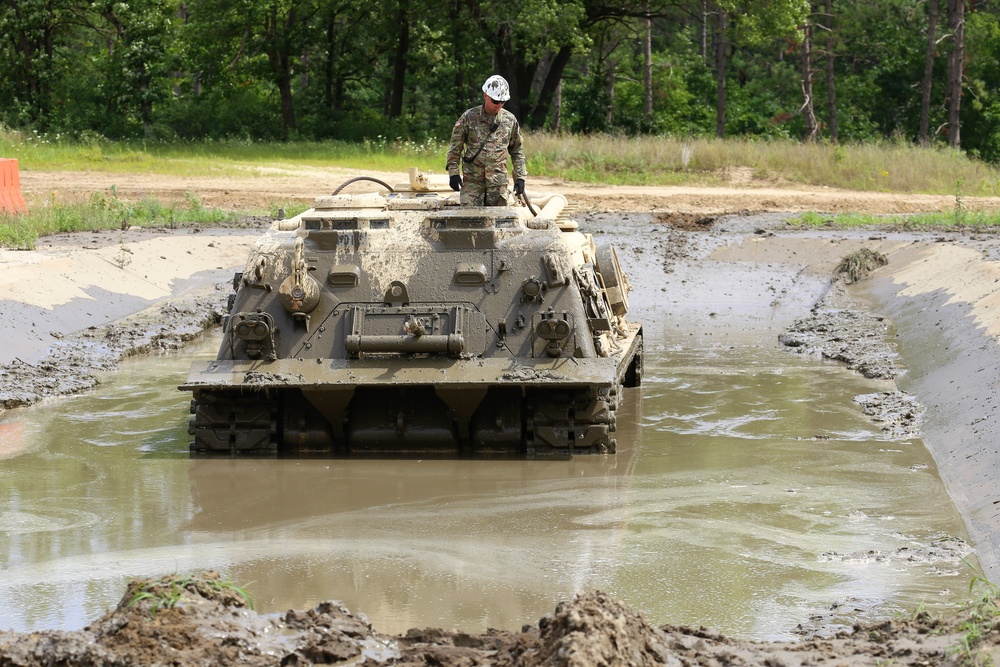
[944, 303]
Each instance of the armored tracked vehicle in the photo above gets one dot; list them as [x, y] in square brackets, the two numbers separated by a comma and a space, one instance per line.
[402, 323]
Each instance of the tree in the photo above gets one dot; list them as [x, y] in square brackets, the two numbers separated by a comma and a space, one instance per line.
[721, 42]
[136, 37]
[750, 23]
[928, 82]
[253, 41]
[345, 47]
[30, 30]
[399, 59]
[956, 27]
[647, 68]
[808, 112]
[527, 37]
[831, 78]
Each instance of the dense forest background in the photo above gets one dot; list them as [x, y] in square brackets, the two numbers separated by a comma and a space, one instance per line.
[926, 71]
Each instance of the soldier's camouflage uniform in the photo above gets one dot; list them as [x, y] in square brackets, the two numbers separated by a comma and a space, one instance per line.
[485, 179]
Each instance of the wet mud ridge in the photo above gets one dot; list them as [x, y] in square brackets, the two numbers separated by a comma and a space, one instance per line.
[202, 620]
[861, 340]
[72, 365]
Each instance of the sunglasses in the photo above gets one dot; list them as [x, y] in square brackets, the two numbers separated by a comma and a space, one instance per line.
[497, 102]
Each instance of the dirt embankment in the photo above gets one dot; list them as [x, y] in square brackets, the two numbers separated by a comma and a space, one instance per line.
[82, 302]
[70, 298]
[202, 621]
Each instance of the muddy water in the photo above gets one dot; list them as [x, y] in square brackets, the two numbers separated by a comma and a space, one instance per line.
[748, 494]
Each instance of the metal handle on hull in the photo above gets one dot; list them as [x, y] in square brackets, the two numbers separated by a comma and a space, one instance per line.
[450, 343]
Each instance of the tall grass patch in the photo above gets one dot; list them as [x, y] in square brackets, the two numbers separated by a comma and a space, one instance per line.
[885, 167]
[959, 220]
[215, 158]
[896, 167]
[102, 212]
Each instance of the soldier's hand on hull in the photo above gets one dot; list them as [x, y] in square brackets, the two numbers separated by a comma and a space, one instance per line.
[518, 187]
[456, 182]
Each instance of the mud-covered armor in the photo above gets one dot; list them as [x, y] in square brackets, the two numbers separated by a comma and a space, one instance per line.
[400, 322]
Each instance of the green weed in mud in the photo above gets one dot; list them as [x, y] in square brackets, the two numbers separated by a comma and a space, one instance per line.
[123, 256]
[982, 616]
[859, 264]
[167, 592]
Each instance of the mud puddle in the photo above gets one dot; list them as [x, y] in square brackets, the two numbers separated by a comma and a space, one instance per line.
[749, 494]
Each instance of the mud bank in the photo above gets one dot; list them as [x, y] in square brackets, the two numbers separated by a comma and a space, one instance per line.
[929, 321]
[943, 298]
[201, 620]
[82, 302]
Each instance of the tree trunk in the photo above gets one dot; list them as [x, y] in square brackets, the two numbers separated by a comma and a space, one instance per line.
[461, 95]
[283, 79]
[925, 90]
[609, 90]
[831, 87]
[557, 108]
[808, 112]
[399, 59]
[647, 70]
[145, 105]
[956, 25]
[280, 57]
[331, 26]
[704, 32]
[505, 62]
[721, 49]
[551, 87]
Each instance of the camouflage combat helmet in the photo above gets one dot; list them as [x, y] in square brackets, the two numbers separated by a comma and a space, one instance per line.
[496, 88]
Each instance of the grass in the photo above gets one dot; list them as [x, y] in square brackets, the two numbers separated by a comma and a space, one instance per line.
[972, 221]
[886, 167]
[894, 167]
[215, 158]
[106, 212]
[166, 592]
[982, 619]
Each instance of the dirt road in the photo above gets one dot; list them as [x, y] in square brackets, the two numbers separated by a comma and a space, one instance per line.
[260, 189]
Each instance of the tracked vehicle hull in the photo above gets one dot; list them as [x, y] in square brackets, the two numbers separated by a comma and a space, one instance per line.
[404, 324]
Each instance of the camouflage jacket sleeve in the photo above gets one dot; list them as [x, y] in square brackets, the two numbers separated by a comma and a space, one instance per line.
[459, 137]
[516, 151]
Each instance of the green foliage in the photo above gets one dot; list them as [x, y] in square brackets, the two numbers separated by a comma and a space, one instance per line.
[982, 615]
[291, 70]
[981, 107]
[979, 221]
[103, 212]
[757, 22]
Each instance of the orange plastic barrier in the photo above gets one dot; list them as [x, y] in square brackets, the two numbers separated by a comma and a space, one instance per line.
[11, 200]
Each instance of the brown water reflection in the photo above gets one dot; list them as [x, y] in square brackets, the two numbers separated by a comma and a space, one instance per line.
[748, 493]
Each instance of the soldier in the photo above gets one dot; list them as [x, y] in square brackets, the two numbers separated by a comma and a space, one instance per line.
[480, 142]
